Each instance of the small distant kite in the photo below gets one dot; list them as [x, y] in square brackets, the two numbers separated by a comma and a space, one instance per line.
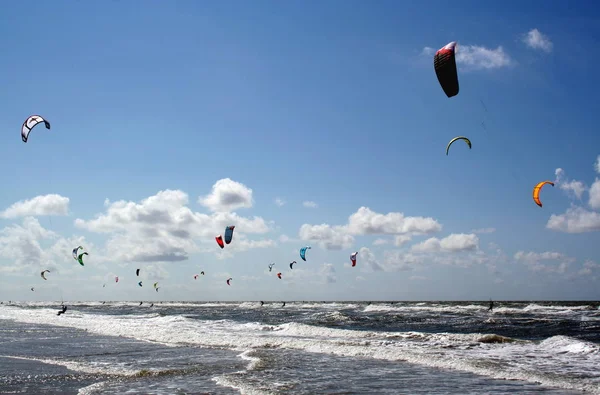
[80, 258]
[229, 234]
[537, 189]
[42, 274]
[303, 252]
[353, 258]
[458, 138]
[228, 280]
[30, 123]
[279, 275]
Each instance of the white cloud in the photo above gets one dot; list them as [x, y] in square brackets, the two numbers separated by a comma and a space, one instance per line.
[578, 219]
[21, 243]
[279, 202]
[534, 261]
[452, 243]
[428, 51]
[326, 236]
[536, 40]
[51, 204]
[162, 228]
[327, 272]
[577, 188]
[401, 240]
[367, 259]
[380, 242]
[575, 220]
[594, 195]
[365, 221]
[227, 195]
[475, 57]
[588, 268]
[483, 230]
[310, 204]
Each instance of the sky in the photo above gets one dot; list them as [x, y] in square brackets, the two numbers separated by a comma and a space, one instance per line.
[319, 125]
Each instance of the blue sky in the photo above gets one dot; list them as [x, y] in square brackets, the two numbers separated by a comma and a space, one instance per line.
[172, 120]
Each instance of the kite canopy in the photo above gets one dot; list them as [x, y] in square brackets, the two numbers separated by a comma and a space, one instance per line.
[458, 138]
[229, 234]
[353, 258]
[279, 275]
[43, 272]
[219, 240]
[30, 123]
[75, 250]
[537, 189]
[303, 252]
[228, 280]
[80, 258]
[444, 63]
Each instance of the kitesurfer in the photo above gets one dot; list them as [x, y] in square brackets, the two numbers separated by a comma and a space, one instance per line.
[283, 305]
[64, 310]
[261, 303]
[491, 305]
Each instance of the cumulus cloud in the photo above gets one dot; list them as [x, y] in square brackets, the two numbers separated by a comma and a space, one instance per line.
[327, 273]
[367, 259]
[365, 221]
[227, 195]
[51, 204]
[161, 228]
[279, 202]
[380, 242]
[534, 39]
[401, 240]
[310, 204]
[452, 243]
[534, 260]
[575, 220]
[589, 267]
[21, 243]
[326, 236]
[475, 57]
[578, 219]
[577, 188]
[594, 195]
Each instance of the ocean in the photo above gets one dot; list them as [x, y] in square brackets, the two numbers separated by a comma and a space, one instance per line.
[302, 348]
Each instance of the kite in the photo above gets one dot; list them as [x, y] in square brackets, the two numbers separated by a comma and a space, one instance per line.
[30, 123]
[537, 189]
[444, 63]
[458, 138]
